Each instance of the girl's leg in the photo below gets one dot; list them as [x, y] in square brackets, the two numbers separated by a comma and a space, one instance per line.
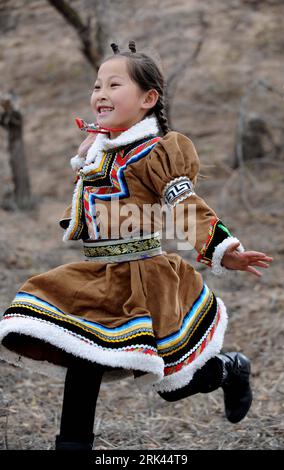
[82, 385]
[205, 380]
[230, 371]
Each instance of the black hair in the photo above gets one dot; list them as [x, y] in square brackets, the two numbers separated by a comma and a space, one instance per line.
[144, 71]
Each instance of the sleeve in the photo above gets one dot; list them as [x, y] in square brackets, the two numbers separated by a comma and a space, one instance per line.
[170, 171]
[66, 215]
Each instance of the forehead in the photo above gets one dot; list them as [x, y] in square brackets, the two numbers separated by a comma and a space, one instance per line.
[113, 67]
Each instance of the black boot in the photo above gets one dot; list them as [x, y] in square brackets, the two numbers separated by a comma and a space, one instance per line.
[63, 443]
[235, 385]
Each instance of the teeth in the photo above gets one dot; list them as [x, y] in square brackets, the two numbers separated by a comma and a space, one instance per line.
[105, 109]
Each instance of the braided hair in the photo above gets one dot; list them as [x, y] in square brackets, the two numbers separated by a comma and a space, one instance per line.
[145, 72]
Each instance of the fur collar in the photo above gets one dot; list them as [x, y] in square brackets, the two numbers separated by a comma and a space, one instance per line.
[147, 127]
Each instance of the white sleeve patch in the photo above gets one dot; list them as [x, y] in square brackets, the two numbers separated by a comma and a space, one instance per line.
[176, 190]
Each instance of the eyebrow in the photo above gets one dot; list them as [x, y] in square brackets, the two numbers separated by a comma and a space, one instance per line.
[118, 76]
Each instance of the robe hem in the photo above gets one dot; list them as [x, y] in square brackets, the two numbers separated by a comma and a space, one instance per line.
[63, 339]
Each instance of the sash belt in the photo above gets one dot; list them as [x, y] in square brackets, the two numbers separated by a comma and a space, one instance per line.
[126, 249]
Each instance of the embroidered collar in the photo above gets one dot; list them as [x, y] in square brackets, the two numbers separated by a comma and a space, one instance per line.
[147, 127]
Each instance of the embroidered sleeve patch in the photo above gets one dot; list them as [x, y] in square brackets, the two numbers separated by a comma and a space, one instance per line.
[177, 190]
[217, 233]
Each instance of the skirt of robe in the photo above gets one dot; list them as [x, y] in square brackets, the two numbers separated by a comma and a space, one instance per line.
[154, 318]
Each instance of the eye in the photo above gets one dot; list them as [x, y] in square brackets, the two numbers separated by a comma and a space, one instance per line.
[115, 84]
[96, 87]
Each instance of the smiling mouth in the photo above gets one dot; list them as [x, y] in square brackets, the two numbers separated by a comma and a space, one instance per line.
[104, 110]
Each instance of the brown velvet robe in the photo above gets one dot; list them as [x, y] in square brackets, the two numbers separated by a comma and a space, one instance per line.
[155, 315]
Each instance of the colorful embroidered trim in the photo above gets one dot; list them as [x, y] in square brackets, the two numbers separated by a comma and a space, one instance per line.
[133, 334]
[199, 349]
[217, 233]
[105, 182]
[137, 335]
[177, 190]
[178, 349]
[123, 247]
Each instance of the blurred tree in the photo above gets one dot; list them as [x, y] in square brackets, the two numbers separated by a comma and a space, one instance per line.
[89, 31]
[253, 133]
[11, 119]
[175, 76]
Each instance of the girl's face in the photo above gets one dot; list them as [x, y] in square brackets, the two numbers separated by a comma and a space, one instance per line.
[116, 100]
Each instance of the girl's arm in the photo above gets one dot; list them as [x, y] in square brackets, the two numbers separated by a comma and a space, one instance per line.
[170, 172]
[86, 144]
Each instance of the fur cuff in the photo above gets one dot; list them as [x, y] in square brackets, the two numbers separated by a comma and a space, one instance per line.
[77, 162]
[218, 254]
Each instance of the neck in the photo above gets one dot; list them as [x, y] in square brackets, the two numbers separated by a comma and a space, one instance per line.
[113, 135]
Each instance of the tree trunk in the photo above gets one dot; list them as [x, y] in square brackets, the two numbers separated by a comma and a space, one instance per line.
[12, 120]
[18, 162]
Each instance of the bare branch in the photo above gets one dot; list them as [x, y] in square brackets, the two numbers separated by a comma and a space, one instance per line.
[239, 149]
[180, 69]
[177, 72]
[269, 87]
[91, 47]
[6, 433]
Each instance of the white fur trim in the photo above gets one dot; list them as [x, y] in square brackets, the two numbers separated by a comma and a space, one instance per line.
[60, 337]
[184, 376]
[182, 198]
[144, 128]
[152, 365]
[77, 162]
[218, 254]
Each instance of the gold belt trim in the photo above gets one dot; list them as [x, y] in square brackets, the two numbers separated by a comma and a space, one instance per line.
[125, 249]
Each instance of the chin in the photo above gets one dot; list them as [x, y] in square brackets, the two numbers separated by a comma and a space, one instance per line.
[108, 124]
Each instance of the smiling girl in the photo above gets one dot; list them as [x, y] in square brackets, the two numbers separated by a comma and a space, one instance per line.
[130, 308]
[117, 101]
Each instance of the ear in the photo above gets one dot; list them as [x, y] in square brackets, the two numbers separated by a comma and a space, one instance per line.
[150, 99]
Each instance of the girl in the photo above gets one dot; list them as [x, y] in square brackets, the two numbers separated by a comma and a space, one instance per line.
[129, 307]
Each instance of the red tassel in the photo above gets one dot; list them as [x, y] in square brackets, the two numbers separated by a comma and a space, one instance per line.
[93, 127]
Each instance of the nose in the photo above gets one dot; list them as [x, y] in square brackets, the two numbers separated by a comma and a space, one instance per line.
[98, 97]
[101, 94]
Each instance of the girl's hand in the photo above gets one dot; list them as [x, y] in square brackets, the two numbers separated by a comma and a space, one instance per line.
[244, 261]
[86, 144]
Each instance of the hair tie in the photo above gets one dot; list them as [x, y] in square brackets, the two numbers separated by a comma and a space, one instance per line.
[132, 46]
[115, 48]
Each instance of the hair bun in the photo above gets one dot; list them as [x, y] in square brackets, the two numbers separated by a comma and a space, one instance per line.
[115, 48]
[132, 46]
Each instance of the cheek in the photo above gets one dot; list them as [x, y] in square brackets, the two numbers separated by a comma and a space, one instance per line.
[126, 101]
[93, 100]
